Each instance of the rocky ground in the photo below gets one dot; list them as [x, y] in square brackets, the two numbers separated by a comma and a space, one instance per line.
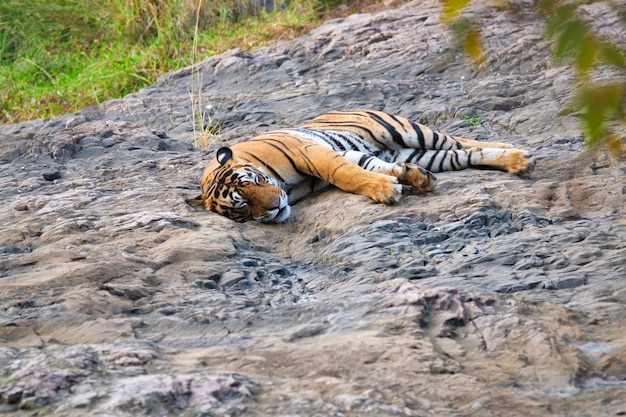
[497, 295]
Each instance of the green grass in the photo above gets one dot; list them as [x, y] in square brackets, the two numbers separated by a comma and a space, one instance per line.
[57, 56]
[473, 120]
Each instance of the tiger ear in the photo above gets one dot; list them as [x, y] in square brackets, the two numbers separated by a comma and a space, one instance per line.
[224, 155]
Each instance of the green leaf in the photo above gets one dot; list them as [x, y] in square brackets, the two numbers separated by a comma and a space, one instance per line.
[452, 9]
[546, 7]
[468, 36]
[576, 41]
[600, 104]
[611, 55]
[473, 45]
[559, 19]
[593, 123]
[573, 34]
[586, 54]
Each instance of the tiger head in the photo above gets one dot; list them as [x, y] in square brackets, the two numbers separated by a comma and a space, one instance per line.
[242, 192]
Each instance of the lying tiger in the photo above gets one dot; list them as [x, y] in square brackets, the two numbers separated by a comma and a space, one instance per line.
[363, 152]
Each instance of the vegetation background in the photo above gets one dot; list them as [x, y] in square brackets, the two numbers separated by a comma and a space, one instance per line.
[57, 56]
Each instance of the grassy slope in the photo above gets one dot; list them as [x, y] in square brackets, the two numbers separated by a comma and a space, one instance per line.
[57, 56]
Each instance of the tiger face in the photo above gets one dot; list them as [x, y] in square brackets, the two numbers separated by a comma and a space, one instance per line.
[242, 192]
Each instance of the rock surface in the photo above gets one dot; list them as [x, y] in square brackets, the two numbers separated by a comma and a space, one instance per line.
[496, 295]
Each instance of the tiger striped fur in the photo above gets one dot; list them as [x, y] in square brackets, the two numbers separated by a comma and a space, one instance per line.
[364, 152]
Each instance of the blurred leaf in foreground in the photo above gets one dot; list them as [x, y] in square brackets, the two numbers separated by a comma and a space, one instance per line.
[452, 9]
[467, 33]
[575, 41]
[600, 106]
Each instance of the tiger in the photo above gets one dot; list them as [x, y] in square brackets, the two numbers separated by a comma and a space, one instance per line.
[366, 152]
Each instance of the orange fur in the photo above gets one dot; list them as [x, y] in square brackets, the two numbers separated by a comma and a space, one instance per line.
[252, 180]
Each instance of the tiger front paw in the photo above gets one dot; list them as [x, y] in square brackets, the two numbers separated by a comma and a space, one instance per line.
[418, 177]
[387, 190]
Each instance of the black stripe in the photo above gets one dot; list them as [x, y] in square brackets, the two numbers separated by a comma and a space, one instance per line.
[338, 146]
[363, 160]
[324, 136]
[443, 160]
[291, 161]
[395, 135]
[420, 135]
[310, 163]
[332, 175]
[453, 143]
[456, 164]
[431, 162]
[351, 141]
[395, 118]
[371, 159]
[445, 142]
[410, 158]
[435, 140]
[271, 171]
[355, 126]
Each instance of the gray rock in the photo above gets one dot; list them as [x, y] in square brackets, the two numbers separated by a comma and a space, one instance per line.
[494, 295]
[232, 277]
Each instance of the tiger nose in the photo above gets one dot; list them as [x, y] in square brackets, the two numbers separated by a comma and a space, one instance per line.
[276, 204]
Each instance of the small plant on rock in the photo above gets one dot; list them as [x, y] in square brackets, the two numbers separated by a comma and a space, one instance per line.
[473, 120]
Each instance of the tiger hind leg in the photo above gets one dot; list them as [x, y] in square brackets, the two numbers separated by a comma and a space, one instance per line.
[469, 143]
[515, 161]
